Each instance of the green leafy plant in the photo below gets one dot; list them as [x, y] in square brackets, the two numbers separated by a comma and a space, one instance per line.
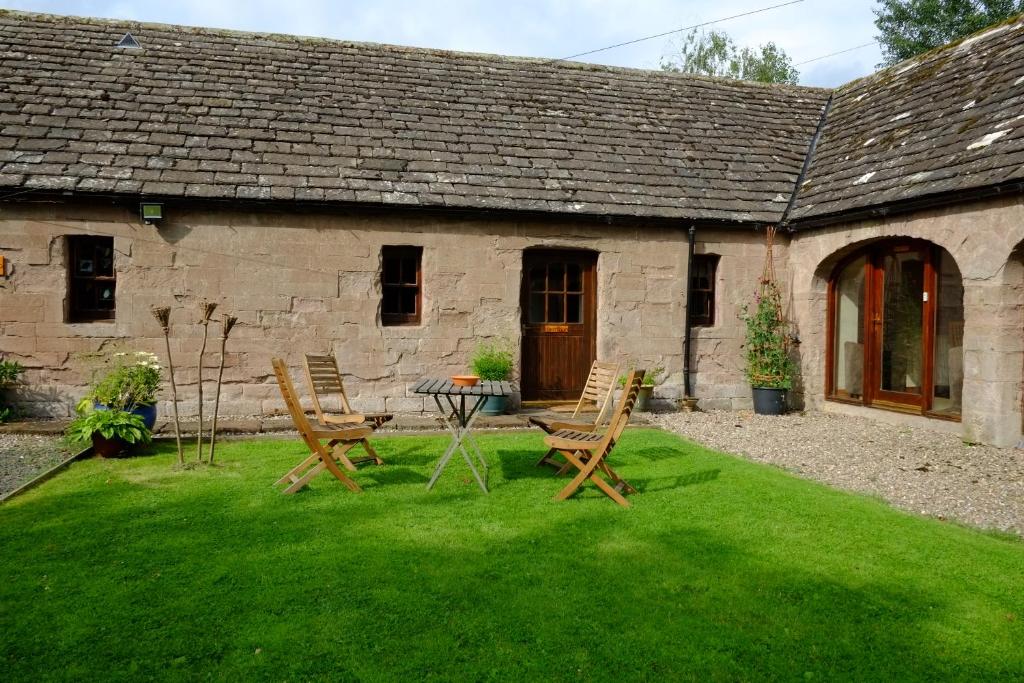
[768, 363]
[110, 424]
[651, 377]
[493, 362]
[10, 371]
[127, 380]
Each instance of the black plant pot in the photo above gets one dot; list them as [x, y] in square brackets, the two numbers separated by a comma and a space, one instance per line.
[769, 401]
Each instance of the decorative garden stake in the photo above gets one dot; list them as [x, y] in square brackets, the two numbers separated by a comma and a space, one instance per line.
[206, 310]
[163, 316]
[229, 322]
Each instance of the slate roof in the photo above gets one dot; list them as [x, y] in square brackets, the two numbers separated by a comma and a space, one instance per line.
[949, 120]
[246, 116]
[207, 113]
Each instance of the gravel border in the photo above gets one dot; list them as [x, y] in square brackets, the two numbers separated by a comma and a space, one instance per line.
[920, 470]
[23, 456]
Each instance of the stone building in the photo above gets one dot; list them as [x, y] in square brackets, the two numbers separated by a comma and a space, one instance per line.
[396, 206]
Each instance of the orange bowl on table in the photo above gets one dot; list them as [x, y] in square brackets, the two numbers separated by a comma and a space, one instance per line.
[465, 380]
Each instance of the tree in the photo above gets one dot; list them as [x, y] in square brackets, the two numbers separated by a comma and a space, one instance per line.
[715, 54]
[910, 27]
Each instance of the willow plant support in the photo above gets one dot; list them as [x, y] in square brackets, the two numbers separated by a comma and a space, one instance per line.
[768, 291]
[206, 310]
[229, 322]
[163, 316]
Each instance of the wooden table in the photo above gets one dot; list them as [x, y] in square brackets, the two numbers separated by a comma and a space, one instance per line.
[458, 420]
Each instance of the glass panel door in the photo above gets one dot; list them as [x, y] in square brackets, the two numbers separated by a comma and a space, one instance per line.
[848, 349]
[900, 326]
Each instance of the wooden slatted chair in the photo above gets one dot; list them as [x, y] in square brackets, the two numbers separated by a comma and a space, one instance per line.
[588, 452]
[339, 440]
[597, 393]
[324, 381]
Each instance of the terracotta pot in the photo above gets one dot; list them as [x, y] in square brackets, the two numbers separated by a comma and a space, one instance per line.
[465, 380]
[108, 448]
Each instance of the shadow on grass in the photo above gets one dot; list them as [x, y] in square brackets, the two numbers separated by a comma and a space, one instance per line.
[387, 475]
[656, 454]
[649, 485]
[522, 464]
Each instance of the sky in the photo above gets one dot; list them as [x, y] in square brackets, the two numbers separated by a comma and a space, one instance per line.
[549, 29]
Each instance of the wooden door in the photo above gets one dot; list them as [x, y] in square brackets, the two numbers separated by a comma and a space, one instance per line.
[559, 323]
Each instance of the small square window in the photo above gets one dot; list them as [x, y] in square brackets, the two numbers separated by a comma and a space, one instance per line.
[401, 283]
[92, 282]
[702, 290]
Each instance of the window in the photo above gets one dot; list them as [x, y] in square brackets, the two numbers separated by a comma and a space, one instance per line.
[91, 279]
[556, 293]
[702, 290]
[401, 284]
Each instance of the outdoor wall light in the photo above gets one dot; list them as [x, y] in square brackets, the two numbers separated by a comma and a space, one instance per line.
[151, 213]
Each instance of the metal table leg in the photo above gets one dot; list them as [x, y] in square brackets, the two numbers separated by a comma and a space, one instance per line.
[459, 425]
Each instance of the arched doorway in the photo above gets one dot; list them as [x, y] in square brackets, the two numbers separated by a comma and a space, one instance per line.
[895, 329]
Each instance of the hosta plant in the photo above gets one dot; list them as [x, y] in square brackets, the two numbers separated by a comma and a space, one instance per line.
[110, 424]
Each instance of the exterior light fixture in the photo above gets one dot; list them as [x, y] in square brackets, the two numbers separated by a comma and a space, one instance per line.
[151, 213]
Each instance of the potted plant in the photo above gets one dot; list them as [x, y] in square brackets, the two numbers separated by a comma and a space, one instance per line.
[10, 370]
[643, 398]
[769, 367]
[111, 431]
[493, 362]
[129, 382]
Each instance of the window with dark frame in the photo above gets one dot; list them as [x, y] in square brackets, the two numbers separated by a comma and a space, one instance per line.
[92, 282]
[702, 290]
[401, 284]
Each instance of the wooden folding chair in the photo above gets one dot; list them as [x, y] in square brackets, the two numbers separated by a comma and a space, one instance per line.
[588, 452]
[339, 441]
[597, 392]
[325, 380]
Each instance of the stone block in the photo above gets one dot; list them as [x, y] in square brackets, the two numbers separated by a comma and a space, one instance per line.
[404, 404]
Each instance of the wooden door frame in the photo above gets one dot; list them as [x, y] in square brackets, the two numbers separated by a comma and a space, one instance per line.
[533, 256]
[873, 395]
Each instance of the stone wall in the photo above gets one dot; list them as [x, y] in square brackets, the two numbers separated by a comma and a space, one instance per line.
[984, 238]
[310, 283]
[718, 356]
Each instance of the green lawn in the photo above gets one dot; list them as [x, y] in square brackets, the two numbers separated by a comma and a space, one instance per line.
[722, 570]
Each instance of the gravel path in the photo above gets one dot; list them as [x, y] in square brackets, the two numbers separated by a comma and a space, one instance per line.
[23, 456]
[920, 470]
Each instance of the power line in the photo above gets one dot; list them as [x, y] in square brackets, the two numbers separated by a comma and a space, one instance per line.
[841, 52]
[678, 30]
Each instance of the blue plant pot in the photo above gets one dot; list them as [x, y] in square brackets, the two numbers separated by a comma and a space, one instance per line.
[147, 413]
[494, 405]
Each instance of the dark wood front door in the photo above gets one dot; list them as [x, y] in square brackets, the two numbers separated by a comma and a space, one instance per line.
[559, 305]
